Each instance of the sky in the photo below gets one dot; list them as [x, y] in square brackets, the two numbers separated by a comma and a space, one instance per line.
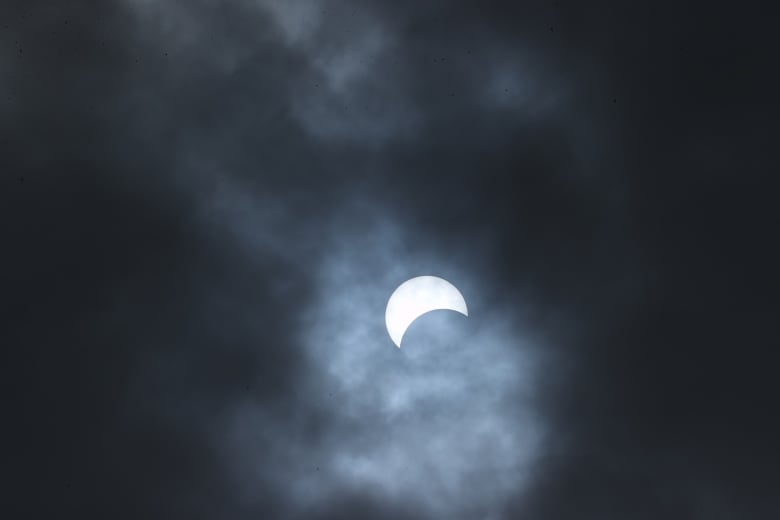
[205, 206]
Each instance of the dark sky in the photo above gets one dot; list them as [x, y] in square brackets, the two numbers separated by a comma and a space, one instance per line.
[204, 207]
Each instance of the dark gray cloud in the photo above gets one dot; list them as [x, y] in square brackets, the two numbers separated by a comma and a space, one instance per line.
[205, 207]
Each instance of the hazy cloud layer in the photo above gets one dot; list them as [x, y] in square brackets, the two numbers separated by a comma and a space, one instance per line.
[205, 207]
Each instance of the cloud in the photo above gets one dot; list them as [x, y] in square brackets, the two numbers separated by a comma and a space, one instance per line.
[205, 206]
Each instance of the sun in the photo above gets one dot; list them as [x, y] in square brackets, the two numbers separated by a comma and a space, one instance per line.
[417, 296]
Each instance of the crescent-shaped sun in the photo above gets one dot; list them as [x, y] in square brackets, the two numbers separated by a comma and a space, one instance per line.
[417, 296]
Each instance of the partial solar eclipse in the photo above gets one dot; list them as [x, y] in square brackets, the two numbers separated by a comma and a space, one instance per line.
[417, 296]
